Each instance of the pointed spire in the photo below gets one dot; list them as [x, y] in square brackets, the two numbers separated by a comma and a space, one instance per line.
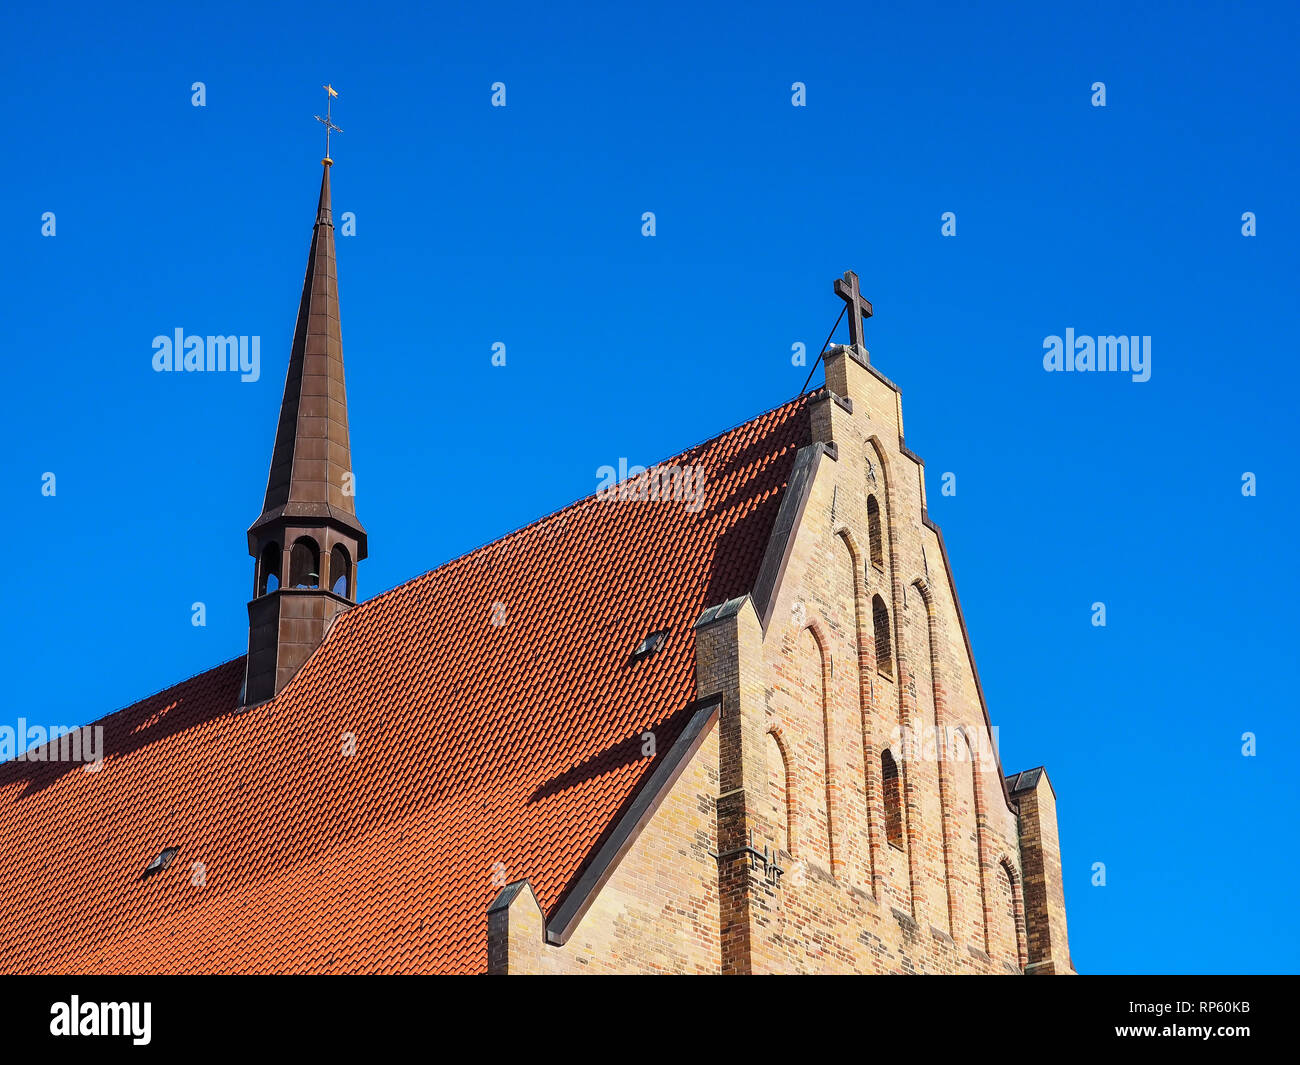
[307, 540]
[311, 465]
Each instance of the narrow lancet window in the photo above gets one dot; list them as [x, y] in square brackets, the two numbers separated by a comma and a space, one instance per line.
[875, 534]
[884, 647]
[892, 784]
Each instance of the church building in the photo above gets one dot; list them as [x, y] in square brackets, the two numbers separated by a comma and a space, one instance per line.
[737, 734]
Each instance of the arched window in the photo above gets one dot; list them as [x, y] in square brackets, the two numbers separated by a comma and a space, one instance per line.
[268, 569]
[875, 535]
[884, 649]
[1010, 917]
[304, 564]
[779, 794]
[340, 571]
[892, 785]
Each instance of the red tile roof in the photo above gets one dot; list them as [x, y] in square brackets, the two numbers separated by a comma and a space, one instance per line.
[484, 753]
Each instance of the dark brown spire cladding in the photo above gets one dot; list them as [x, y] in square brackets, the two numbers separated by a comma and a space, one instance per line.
[307, 540]
[311, 465]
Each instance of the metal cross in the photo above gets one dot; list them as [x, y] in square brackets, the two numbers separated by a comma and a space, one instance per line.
[329, 126]
[858, 308]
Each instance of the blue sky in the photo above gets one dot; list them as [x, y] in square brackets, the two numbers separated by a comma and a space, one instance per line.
[522, 225]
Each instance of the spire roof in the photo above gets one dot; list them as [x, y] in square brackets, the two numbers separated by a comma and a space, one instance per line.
[312, 452]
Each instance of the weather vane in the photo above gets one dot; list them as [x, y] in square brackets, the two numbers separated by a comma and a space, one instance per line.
[329, 126]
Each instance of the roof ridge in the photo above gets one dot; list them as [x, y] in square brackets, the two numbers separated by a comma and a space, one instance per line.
[564, 509]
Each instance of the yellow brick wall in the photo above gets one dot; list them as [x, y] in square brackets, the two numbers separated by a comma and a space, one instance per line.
[794, 759]
[930, 906]
[658, 912]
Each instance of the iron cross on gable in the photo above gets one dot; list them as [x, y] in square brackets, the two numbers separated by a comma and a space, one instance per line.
[858, 308]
